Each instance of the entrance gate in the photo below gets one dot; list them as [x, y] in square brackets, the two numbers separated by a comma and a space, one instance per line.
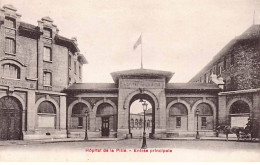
[10, 119]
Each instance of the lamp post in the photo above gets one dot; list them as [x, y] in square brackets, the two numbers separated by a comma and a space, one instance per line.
[197, 114]
[144, 146]
[86, 129]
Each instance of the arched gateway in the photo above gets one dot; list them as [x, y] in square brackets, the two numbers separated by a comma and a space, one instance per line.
[150, 85]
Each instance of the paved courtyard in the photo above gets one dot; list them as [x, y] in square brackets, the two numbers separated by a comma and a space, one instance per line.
[129, 150]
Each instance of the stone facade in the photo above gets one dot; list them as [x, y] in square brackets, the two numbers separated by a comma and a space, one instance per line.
[173, 111]
[41, 94]
[238, 64]
[23, 64]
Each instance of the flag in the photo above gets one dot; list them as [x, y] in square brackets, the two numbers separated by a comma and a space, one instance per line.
[138, 42]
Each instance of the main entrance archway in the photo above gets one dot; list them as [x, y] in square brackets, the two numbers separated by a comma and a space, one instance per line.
[10, 118]
[149, 116]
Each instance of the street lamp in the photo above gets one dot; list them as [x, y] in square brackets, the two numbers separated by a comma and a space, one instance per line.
[144, 146]
[197, 113]
[86, 129]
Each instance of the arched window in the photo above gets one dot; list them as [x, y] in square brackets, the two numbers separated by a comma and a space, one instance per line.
[239, 113]
[78, 116]
[239, 107]
[178, 109]
[105, 109]
[206, 116]
[80, 109]
[46, 115]
[205, 109]
[11, 71]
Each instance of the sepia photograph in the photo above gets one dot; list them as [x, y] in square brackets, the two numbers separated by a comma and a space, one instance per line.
[129, 81]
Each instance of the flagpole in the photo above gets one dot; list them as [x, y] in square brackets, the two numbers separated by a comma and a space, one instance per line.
[141, 50]
[254, 18]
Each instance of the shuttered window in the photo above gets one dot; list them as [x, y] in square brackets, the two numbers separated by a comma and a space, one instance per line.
[10, 45]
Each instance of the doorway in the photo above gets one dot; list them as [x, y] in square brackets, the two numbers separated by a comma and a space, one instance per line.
[105, 126]
[136, 116]
[10, 119]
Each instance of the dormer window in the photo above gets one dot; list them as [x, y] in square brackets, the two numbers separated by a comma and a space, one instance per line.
[47, 32]
[10, 22]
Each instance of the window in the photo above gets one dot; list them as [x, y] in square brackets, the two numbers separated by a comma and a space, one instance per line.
[203, 121]
[47, 79]
[178, 121]
[10, 45]
[47, 54]
[219, 70]
[69, 80]
[9, 22]
[46, 115]
[80, 124]
[80, 71]
[148, 123]
[47, 32]
[75, 67]
[11, 71]
[205, 78]
[140, 123]
[69, 61]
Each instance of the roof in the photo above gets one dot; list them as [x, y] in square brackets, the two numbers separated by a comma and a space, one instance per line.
[9, 6]
[95, 87]
[92, 87]
[192, 86]
[142, 73]
[63, 40]
[47, 18]
[253, 32]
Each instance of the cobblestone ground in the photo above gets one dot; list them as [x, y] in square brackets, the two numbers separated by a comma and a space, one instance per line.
[182, 150]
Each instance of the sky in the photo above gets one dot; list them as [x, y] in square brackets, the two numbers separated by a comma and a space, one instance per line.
[178, 36]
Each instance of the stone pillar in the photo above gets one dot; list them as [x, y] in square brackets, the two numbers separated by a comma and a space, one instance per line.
[123, 112]
[92, 122]
[63, 112]
[222, 110]
[160, 114]
[191, 121]
[31, 110]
